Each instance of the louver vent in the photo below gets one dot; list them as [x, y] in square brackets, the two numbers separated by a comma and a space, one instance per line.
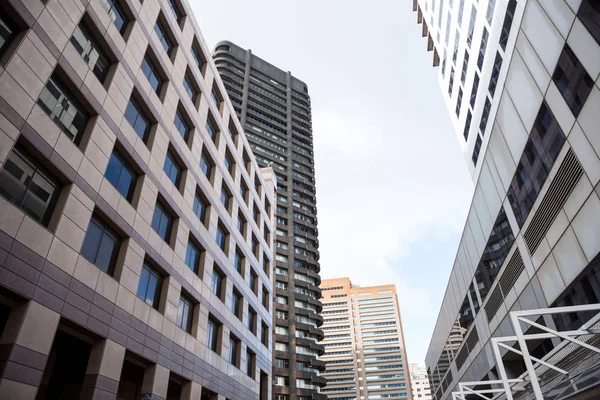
[472, 339]
[567, 176]
[461, 357]
[507, 280]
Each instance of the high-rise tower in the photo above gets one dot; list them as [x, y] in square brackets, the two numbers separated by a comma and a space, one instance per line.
[521, 81]
[365, 353]
[274, 110]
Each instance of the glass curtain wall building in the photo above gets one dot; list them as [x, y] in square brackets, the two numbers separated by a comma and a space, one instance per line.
[365, 354]
[274, 110]
[123, 270]
[520, 79]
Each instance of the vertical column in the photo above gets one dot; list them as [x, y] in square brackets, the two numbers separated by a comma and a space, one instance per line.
[156, 382]
[24, 349]
[220, 397]
[191, 391]
[103, 371]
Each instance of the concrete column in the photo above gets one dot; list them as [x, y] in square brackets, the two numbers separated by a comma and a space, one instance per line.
[24, 348]
[220, 397]
[103, 371]
[156, 382]
[191, 391]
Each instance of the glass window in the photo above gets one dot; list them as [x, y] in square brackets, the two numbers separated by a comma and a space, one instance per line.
[251, 323]
[149, 286]
[172, 169]
[476, 150]
[163, 37]
[176, 11]
[243, 191]
[463, 75]
[544, 143]
[199, 207]
[215, 97]
[216, 284]
[236, 304]
[485, 114]
[490, 11]
[221, 238]
[26, 184]
[472, 24]
[162, 222]
[572, 80]
[232, 132]
[101, 245]
[182, 126]
[451, 82]
[467, 125]
[8, 31]
[120, 174]
[495, 74]
[62, 107]
[225, 198]
[189, 87]
[508, 20]
[249, 362]
[240, 224]
[238, 261]
[212, 334]
[228, 163]
[116, 13]
[192, 257]
[205, 165]
[233, 350]
[151, 73]
[482, 48]
[252, 283]
[90, 51]
[589, 14]
[210, 128]
[184, 314]
[474, 90]
[137, 119]
[196, 54]
[459, 101]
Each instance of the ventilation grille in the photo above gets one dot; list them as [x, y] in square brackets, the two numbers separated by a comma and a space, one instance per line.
[461, 357]
[472, 339]
[561, 187]
[493, 304]
[507, 280]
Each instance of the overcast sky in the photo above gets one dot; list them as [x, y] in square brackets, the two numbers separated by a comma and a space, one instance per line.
[392, 187]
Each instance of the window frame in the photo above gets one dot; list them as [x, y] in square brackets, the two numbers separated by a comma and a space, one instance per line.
[106, 231]
[171, 220]
[152, 272]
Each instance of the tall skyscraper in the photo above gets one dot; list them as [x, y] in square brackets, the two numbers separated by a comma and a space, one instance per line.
[364, 344]
[124, 173]
[419, 382]
[521, 82]
[274, 110]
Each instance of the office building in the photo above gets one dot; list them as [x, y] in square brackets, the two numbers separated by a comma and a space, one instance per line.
[274, 110]
[364, 344]
[419, 382]
[520, 79]
[124, 174]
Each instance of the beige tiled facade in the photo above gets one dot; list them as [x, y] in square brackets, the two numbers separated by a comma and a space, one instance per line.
[48, 286]
[364, 344]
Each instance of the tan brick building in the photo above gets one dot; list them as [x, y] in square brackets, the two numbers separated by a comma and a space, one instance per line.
[364, 344]
[136, 227]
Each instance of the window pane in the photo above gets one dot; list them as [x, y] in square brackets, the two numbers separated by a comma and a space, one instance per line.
[116, 14]
[8, 31]
[572, 80]
[151, 73]
[63, 109]
[143, 285]
[152, 294]
[90, 51]
[199, 207]
[91, 242]
[107, 253]
[589, 14]
[192, 257]
[15, 177]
